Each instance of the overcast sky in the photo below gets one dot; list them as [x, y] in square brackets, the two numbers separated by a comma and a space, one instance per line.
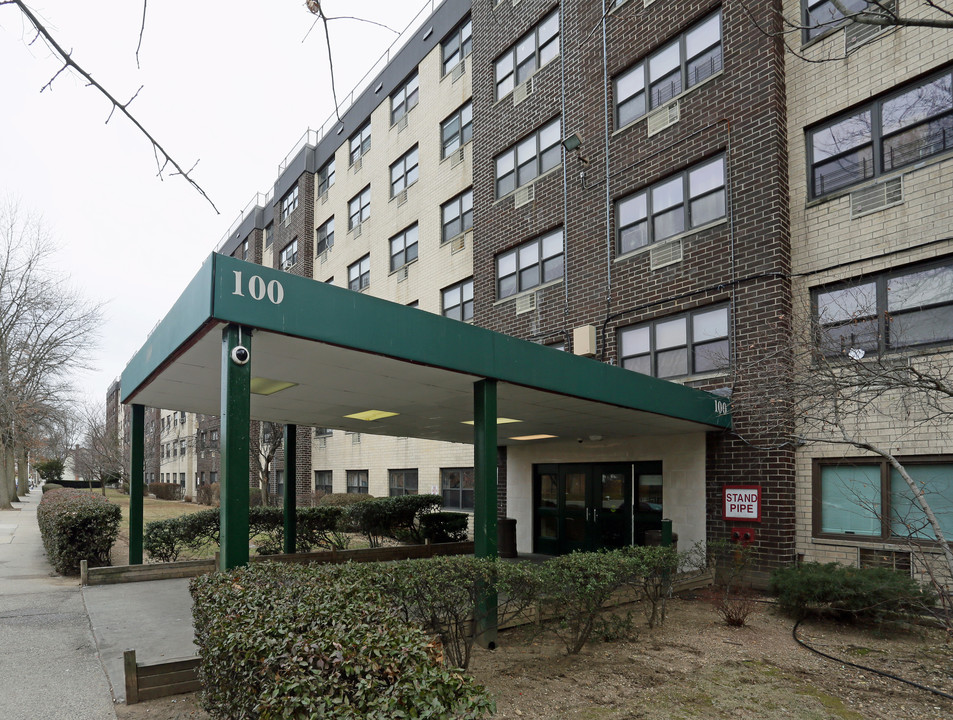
[233, 85]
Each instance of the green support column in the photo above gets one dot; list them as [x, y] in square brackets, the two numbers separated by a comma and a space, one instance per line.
[137, 467]
[291, 488]
[484, 506]
[235, 420]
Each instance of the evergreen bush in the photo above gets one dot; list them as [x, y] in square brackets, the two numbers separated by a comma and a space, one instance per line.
[77, 525]
[444, 526]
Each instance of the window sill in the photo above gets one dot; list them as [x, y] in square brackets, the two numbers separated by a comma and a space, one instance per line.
[405, 115]
[530, 291]
[906, 169]
[676, 98]
[402, 267]
[535, 73]
[683, 236]
[892, 544]
[700, 377]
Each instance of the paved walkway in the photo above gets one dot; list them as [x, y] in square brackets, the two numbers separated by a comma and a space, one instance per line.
[61, 646]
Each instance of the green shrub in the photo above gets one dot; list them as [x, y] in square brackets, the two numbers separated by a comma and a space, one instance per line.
[443, 594]
[77, 525]
[406, 511]
[283, 641]
[51, 486]
[318, 527]
[208, 494]
[861, 593]
[651, 569]
[343, 499]
[444, 526]
[162, 539]
[577, 587]
[166, 491]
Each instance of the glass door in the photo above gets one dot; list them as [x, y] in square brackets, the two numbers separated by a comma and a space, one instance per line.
[647, 509]
[611, 501]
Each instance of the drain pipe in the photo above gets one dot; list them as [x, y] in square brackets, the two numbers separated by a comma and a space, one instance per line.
[562, 85]
[605, 92]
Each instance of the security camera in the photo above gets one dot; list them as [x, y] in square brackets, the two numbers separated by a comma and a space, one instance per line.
[578, 440]
[240, 355]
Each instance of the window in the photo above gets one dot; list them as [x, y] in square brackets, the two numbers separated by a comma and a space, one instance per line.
[531, 52]
[457, 485]
[688, 344]
[902, 128]
[822, 15]
[359, 208]
[404, 99]
[890, 311]
[533, 263]
[357, 481]
[322, 482]
[241, 252]
[360, 142]
[326, 177]
[870, 499]
[403, 173]
[528, 159]
[182, 447]
[403, 247]
[457, 215]
[214, 435]
[457, 45]
[288, 255]
[692, 57]
[458, 300]
[269, 234]
[457, 130]
[213, 478]
[359, 274]
[323, 432]
[326, 236]
[660, 211]
[402, 482]
[289, 203]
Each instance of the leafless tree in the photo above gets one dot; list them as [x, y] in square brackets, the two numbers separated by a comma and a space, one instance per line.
[47, 330]
[100, 455]
[265, 444]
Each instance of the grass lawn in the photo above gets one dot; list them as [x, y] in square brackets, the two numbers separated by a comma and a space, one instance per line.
[152, 509]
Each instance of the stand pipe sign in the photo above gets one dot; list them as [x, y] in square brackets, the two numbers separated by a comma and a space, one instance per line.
[742, 503]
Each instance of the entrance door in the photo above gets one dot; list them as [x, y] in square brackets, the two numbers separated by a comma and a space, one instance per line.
[581, 506]
[647, 509]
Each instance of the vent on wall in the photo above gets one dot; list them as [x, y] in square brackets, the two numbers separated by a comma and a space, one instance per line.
[458, 70]
[355, 438]
[324, 197]
[322, 443]
[401, 197]
[457, 244]
[522, 91]
[358, 164]
[402, 123]
[667, 253]
[664, 117]
[524, 195]
[891, 559]
[323, 257]
[357, 230]
[402, 274]
[876, 197]
[456, 157]
[526, 303]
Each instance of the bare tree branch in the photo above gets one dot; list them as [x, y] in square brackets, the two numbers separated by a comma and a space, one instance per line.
[69, 63]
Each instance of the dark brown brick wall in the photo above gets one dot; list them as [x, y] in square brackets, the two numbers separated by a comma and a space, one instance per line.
[739, 113]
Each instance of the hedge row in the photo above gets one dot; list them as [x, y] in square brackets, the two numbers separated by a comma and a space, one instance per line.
[77, 525]
[407, 518]
[280, 641]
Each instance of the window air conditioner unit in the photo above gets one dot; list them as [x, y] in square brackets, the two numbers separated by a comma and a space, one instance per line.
[401, 197]
[402, 123]
[874, 198]
[526, 303]
[459, 243]
[324, 197]
[323, 257]
[666, 253]
[456, 157]
[663, 117]
[524, 195]
[402, 274]
[357, 230]
[457, 72]
[522, 91]
[358, 164]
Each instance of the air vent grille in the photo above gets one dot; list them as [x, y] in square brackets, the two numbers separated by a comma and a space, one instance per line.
[402, 123]
[664, 254]
[401, 197]
[522, 91]
[524, 195]
[456, 157]
[525, 303]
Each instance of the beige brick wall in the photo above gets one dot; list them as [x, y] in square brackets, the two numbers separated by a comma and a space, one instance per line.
[823, 235]
[436, 266]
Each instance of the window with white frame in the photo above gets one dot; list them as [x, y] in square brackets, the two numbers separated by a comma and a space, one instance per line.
[288, 255]
[289, 203]
[669, 347]
[326, 177]
[404, 99]
[404, 172]
[457, 487]
[357, 481]
[457, 130]
[402, 482]
[868, 499]
[528, 159]
[535, 262]
[457, 300]
[359, 274]
[821, 16]
[359, 208]
[692, 57]
[531, 52]
[457, 45]
[901, 128]
[890, 311]
[325, 236]
[360, 142]
[457, 215]
[689, 200]
[322, 482]
[403, 247]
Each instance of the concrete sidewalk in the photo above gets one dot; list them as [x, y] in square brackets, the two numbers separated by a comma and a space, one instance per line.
[61, 645]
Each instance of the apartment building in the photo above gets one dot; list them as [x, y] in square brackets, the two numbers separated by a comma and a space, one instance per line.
[870, 132]
[658, 186]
